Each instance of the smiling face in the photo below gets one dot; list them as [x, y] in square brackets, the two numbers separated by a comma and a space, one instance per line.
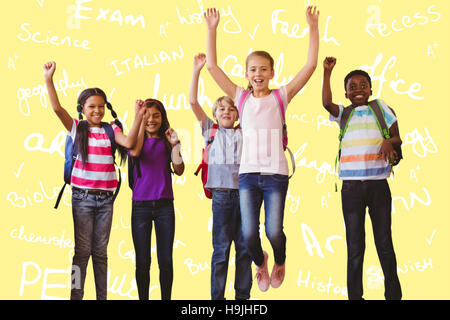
[154, 121]
[358, 90]
[259, 72]
[225, 113]
[94, 110]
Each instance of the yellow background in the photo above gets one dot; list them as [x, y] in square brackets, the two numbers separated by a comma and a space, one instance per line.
[413, 57]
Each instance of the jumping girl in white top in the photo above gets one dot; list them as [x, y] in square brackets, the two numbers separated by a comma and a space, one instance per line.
[263, 173]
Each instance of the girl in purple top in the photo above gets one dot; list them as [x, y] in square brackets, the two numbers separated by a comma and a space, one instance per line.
[157, 146]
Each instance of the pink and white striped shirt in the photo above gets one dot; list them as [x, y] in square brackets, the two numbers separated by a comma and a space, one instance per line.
[99, 171]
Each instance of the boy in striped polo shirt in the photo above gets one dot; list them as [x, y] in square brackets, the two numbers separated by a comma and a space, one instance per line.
[364, 168]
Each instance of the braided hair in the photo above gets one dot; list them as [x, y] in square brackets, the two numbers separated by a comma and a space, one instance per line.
[83, 128]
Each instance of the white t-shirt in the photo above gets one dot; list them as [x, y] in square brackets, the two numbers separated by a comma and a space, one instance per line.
[262, 133]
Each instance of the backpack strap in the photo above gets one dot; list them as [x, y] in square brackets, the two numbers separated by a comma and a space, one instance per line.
[212, 134]
[283, 121]
[242, 100]
[346, 115]
[378, 112]
[110, 132]
[280, 103]
[73, 158]
[210, 140]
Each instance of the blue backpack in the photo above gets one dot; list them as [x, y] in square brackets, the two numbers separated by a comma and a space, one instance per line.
[71, 152]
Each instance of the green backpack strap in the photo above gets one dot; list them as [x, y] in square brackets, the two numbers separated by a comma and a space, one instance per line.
[378, 112]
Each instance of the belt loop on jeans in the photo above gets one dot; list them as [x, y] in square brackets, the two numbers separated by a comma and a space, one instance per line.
[95, 192]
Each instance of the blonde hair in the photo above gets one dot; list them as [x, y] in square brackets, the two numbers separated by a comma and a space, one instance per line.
[219, 102]
[262, 54]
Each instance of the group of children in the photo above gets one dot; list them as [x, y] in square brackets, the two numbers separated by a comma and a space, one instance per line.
[247, 167]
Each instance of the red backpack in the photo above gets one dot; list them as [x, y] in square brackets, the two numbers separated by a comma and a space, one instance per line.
[204, 164]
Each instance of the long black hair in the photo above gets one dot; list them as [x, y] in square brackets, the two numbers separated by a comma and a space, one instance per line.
[164, 121]
[83, 128]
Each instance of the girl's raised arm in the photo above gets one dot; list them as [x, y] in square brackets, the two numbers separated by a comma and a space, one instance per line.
[63, 115]
[135, 151]
[177, 159]
[299, 81]
[130, 140]
[199, 62]
[212, 18]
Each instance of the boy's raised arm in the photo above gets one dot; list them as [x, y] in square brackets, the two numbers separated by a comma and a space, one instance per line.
[302, 77]
[327, 97]
[199, 62]
[212, 18]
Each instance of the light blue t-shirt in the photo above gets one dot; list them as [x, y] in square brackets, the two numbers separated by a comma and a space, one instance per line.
[224, 156]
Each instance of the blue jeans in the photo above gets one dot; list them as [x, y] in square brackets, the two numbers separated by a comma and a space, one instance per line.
[92, 219]
[356, 196]
[227, 228]
[254, 188]
[162, 213]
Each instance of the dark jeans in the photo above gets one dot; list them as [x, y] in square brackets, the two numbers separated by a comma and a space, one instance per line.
[254, 188]
[162, 213]
[356, 196]
[227, 228]
[92, 219]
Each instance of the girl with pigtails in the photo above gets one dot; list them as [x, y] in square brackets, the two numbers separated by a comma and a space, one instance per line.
[93, 179]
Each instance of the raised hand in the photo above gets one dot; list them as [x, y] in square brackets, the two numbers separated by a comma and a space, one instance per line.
[49, 69]
[329, 63]
[312, 16]
[172, 136]
[199, 61]
[212, 18]
[140, 108]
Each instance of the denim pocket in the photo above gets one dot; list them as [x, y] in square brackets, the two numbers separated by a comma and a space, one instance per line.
[164, 210]
[243, 176]
[280, 177]
[347, 186]
[108, 199]
[220, 197]
[78, 195]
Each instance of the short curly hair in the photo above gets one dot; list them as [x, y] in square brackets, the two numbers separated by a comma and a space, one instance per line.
[357, 73]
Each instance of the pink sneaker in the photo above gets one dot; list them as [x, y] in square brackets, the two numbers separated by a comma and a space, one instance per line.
[277, 275]
[262, 274]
